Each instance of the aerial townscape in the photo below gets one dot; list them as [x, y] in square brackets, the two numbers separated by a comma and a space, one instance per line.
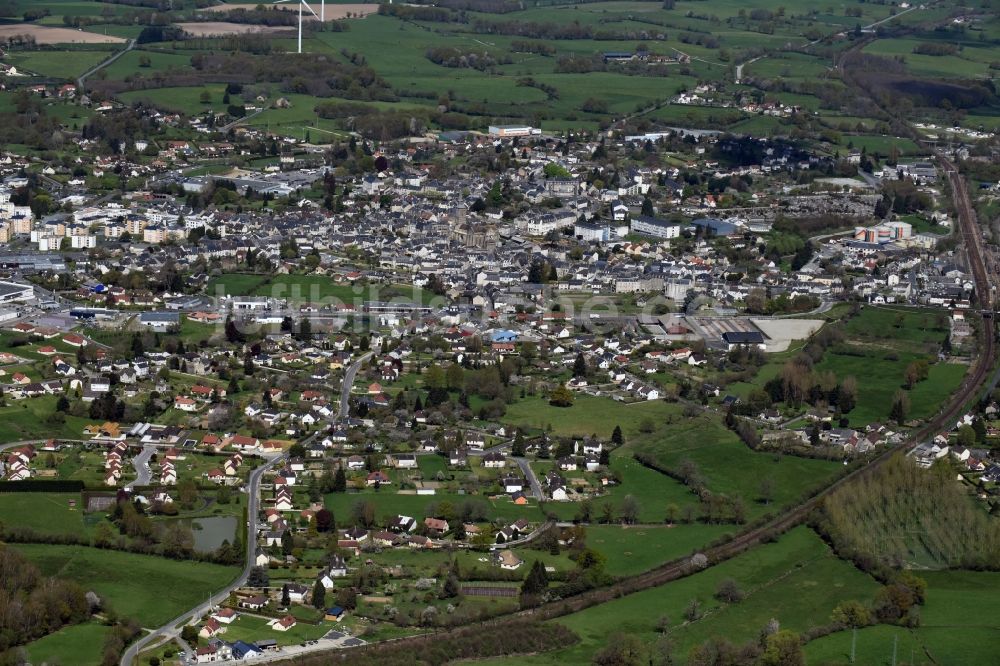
[547, 332]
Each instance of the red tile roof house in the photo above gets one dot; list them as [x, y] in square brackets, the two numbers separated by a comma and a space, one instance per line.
[378, 477]
[74, 340]
[284, 624]
[225, 615]
[436, 525]
[212, 628]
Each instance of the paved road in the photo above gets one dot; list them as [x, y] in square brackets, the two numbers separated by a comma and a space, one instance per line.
[244, 119]
[171, 629]
[143, 474]
[345, 387]
[536, 487]
[101, 65]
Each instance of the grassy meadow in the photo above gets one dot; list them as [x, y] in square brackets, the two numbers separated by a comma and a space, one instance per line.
[151, 589]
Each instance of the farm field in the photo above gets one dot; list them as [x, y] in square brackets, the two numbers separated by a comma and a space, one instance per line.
[730, 468]
[632, 550]
[151, 589]
[76, 645]
[954, 598]
[588, 415]
[334, 11]
[51, 35]
[796, 580]
[45, 512]
[56, 64]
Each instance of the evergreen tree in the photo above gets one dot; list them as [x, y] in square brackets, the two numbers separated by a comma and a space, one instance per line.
[518, 448]
[536, 582]
[319, 595]
[616, 436]
[286, 599]
[340, 481]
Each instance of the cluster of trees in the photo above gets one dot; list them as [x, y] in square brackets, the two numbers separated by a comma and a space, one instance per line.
[417, 13]
[901, 197]
[799, 383]
[526, 46]
[580, 64]
[902, 513]
[574, 30]
[375, 124]
[936, 48]
[461, 57]
[757, 302]
[31, 605]
[159, 33]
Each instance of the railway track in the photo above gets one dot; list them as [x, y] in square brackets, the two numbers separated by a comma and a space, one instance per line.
[985, 293]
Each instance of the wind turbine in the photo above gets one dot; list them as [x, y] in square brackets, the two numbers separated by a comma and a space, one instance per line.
[303, 3]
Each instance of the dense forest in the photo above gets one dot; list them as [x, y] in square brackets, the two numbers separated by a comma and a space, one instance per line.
[902, 515]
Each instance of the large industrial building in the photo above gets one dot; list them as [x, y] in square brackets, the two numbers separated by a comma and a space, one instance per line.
[11, 292]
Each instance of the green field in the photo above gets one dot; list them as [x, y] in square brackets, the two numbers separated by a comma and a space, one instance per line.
[396, 49]
[389, 503]
[249, 628]
[632, 550]
[730, 468]
[652, 490]
[150, 589]
[588, 416]
[881, 342]
[312, 288]
[797, 581]
[958, 625]
[57, 64]
[44, 512]
[879, 378]
[77, 645]
[29, 419]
